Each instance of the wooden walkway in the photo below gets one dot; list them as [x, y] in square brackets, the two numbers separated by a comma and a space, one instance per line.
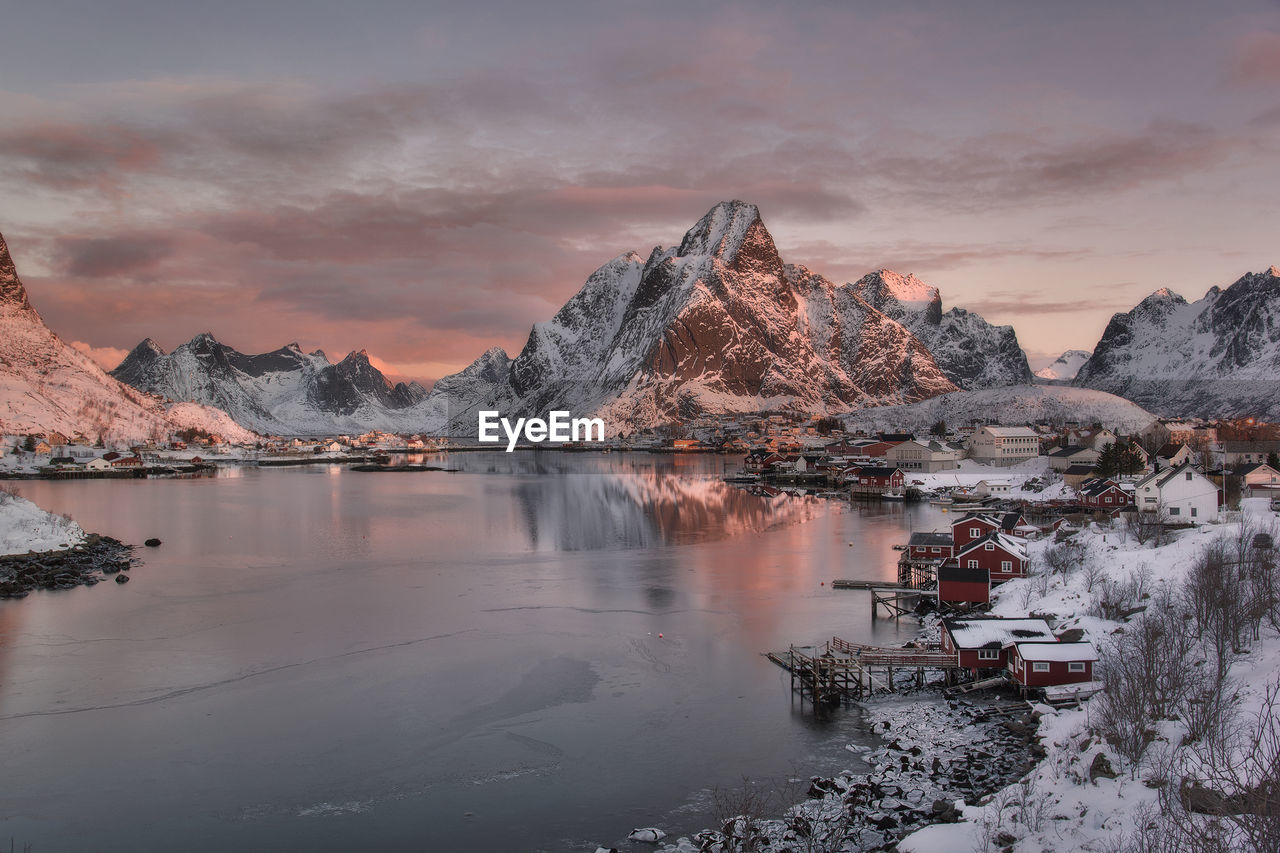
[839, 670]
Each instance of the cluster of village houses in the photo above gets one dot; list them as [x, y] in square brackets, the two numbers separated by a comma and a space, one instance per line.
[1181, 482]
[54, 452]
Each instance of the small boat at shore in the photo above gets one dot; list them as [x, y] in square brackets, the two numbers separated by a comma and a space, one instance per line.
[894, 495]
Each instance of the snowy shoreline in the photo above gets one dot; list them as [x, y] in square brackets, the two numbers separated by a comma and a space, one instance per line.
[41, 550]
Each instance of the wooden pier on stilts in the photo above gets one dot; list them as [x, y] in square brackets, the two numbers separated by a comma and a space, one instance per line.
[840, 671]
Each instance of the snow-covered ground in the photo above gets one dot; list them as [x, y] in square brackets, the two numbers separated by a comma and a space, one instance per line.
[1068, 811]
[26, 527]
[1012, 404]
[970, 473]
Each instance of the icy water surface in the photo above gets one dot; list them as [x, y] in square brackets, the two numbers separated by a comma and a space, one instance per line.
[538, 652]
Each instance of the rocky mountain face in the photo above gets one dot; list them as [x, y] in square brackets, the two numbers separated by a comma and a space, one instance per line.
[285, 391]
[971, 352]
[1065, 367]
[718, 324]
[47, 386]
[1219, 356]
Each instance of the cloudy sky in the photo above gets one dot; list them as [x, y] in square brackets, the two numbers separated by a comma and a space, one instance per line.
[428, 180]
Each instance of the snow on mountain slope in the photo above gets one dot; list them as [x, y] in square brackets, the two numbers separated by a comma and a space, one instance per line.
[1066, 366]
[971, 352]
[1219, 356]
[285, 391]
[718, 324]
[46, 385]
[1015, 404]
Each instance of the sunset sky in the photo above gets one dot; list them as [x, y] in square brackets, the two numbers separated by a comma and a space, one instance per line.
[428, 180]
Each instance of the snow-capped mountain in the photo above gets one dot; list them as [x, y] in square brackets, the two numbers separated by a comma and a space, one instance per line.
[1065, 367]
[1219, 356]
[971, 352]
[718, 324]
[283, 392]
[46, 385]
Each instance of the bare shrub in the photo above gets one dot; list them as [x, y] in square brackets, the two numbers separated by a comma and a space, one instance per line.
[1064, 557]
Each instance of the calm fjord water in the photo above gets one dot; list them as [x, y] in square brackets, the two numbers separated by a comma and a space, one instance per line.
[323, 660]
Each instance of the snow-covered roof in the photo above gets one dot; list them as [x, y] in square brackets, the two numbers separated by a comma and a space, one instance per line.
[1012, 544]
[1012, 432]
[995, 632]
[1056, 652]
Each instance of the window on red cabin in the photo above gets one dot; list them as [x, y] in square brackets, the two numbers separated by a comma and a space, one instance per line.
[988, 654]
[1006, 566]
[973, 564]
[937, 550]
[1075, 667]
[989, 547]
[975, 532]
[1040, 666]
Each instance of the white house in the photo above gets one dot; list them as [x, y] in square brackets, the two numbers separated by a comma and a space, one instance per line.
[1002, 445]
[922, 456]
[986, 488]
[98, 464]
[1180, 494]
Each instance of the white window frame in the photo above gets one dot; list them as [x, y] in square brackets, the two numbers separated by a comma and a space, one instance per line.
[1075, 666]
[1040, 666]
[973, 564]
[988, 654]
[1006, 565]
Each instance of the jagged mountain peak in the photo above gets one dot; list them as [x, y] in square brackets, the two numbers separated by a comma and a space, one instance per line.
[11, 290]
[725, 230]
[905, 289]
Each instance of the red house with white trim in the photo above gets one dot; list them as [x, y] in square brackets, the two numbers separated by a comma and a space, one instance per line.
[1003, 556]
[930, 546]
[1047, 664]
[876, 476]
[972, 526]
[1103, 494]
[983, 642]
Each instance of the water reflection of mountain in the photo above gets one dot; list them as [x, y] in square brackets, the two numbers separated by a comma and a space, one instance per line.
[636, 506]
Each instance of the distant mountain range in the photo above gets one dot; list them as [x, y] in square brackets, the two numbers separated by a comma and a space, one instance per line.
[282, 392]
[47, 386]
[1219, 356]
[718, 324]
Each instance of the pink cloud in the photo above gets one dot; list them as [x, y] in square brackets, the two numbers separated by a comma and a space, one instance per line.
[1257, 59]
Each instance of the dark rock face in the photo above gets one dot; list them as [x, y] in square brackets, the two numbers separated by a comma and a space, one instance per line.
[1218, 357]
[11, 290]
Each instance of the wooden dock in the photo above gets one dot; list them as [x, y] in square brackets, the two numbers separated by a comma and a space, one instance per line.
[840, 671]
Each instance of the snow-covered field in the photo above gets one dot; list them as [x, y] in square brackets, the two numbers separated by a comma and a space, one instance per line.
[970, 473]
[1013, 404]
[26, 527]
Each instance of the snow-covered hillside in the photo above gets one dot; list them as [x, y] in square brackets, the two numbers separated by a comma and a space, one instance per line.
[1216, 357]
[1015, 404]
[1065, 367]
[26, 527]
[46, 385]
